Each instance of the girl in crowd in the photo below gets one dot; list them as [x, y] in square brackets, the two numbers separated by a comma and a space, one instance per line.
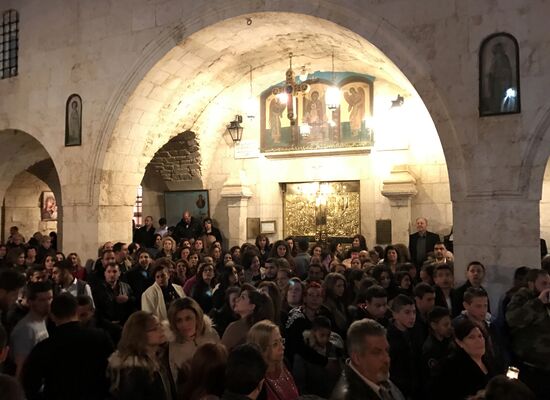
[157, 298]
[59, 256]
[335, 287]
[30, 256]
[184, 252]
[403, 281]
[207, 373]
[469, 359]
[359, 242]
[292, 246]
[78, 270]
[202, 291]
[262, 244]
[211, 233]
[216, 254]
[293, 296]
[251, 306]
[279, 383]
[138, 369]
[251, 265]
[228, 277]
[403, 254]
[271, 289]
[280, 249]
[336, 251]
[168, 249]
[355, 276]
[283, 277]
[191, 329]
[225, 315]
[384, 277]
[391, 258]
[157, 244]
[181, 272]
[48, 263]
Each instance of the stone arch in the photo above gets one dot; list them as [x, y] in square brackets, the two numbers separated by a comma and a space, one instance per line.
[146, 94]
[27, 154]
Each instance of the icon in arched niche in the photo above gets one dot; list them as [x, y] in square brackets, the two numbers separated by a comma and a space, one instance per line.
[499, 91]
[73, 121]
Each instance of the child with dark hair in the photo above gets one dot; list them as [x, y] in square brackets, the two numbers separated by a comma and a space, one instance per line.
[314, 379]
[439, 343]
[404, 351]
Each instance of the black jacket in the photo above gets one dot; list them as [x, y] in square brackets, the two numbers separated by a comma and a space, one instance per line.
[431, 240]
[107, 307]
[352, 387]
[71, 364]
[192, 230]
[145, 237]
[459, 377]
[139, 280]
[404, 357]
[456, 302]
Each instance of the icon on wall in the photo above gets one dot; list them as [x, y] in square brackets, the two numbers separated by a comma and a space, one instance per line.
[48, 207]
[499, 91]
[73, 121]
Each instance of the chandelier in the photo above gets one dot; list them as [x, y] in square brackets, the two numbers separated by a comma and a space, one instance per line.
[288, 93]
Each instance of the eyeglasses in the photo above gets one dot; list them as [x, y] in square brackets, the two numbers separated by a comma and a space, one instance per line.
[278, 342]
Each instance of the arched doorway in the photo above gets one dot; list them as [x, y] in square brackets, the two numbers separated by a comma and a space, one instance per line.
[29, 186]
[197, 84]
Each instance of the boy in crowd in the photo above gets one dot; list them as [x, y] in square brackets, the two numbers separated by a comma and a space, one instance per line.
[439, 343]
[403, 350]
[314, 379]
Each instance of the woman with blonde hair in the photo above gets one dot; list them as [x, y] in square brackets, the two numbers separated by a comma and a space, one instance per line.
[168, 248]
[191, 329]
[138, 369]
[279, 383]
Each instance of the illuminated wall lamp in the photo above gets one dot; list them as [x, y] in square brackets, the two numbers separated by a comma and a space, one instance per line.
[235, 129]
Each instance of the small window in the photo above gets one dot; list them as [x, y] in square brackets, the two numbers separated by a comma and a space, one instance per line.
[138, 208]
[9, 44]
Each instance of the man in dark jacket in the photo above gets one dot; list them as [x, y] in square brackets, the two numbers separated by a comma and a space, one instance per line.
[188, 227]
[114, 300]
[71, 363]
[145, 236]
[422, 242]
[366, 374]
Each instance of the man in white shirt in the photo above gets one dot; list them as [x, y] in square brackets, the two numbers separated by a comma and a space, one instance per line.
[66, 282]
[31, 330]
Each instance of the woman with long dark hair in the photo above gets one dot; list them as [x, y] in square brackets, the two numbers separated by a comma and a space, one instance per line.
[251, 306]
[203, 289]
[263, 247]
[207, 373]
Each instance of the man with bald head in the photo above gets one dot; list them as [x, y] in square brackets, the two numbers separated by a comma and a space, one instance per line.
[188, 227]
[421, 242]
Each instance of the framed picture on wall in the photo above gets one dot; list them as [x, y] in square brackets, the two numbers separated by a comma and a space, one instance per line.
[48, 207]
[499, 91]
[195, 201]
[73, 121]
[252, 228]
[268, 227]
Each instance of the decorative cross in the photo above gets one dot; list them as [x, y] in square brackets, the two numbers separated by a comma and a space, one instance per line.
[291, 89]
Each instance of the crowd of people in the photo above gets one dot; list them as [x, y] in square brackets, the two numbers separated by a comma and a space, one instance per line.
[175, 315]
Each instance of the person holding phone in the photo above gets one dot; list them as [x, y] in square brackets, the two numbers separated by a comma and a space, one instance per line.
[528, 316]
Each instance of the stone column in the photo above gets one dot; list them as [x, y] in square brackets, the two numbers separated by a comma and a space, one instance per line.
[399, 188]
[502, 232]
[237, 193]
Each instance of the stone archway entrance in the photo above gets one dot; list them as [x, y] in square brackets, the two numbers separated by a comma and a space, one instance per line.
[29, 177]
[199, 82]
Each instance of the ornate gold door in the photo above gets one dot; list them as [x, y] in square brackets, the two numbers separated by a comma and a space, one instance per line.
[321, 209]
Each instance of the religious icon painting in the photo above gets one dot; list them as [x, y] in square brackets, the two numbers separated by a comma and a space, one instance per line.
[73, 121]
[48, 207]
[499, 91]
[318, 127]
